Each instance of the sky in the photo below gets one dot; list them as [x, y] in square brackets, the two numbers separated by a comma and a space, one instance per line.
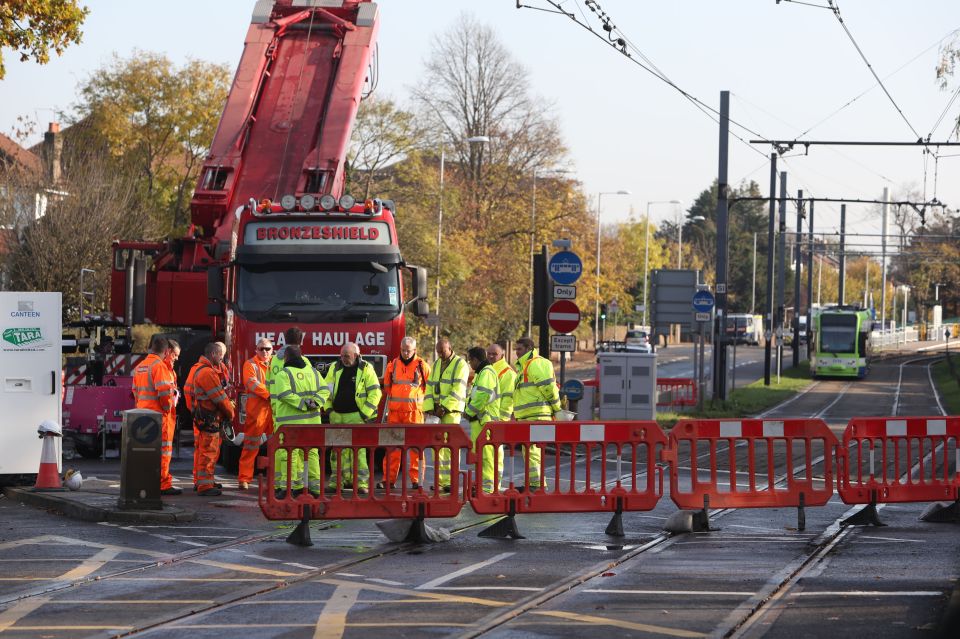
[788, 66]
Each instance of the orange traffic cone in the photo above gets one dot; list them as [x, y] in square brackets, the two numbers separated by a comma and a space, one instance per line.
[48, 477]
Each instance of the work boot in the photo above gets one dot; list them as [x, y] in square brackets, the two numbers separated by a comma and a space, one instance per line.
[361, 491]
[171, 491]
[382, 486]
[415, 486]
[243, 485]
[212, 492]
[279, 493]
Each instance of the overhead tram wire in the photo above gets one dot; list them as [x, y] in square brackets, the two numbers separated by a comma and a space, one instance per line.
[874, 85]
[835, 8]
[622, 43]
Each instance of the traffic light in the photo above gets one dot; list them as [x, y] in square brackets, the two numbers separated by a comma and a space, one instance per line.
[603, 311]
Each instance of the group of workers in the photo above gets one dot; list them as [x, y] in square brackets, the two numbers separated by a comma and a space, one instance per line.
[283, 388]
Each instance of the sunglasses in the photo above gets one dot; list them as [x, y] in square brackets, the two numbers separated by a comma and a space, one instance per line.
[264, 348]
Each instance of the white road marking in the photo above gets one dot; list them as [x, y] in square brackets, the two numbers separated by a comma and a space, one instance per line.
[464, 571]
[386, 582]
[261, 557]
[523, 588]
[296, 565]
[870, 593]
[705, 593]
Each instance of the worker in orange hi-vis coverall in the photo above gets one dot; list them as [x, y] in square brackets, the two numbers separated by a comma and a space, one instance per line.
[189, 394]
[404, 385]
[153, 388]
[259, 419]
[169, 422]
[212, 408]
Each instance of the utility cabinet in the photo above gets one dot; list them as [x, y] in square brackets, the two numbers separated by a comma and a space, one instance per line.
[628, 385]
[30, 347]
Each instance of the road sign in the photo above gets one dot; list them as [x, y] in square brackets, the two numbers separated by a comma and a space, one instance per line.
[721, 288]
[565, 267]
[613, 308]
[670, 295]
[702, 317]
[703, 301]
[563, 343]
[573, 389]
[563, 316]
[561, 292]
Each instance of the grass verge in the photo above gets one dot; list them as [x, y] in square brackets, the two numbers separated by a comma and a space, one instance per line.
[948, 387]
[748, 400]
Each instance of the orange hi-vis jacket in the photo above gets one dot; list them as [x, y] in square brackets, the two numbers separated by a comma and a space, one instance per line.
[258, 397]
[404, 386]
[189, 388]
[209, 393]
[153, 384]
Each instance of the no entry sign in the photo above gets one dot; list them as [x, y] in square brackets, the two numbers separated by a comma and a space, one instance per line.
[563, 316]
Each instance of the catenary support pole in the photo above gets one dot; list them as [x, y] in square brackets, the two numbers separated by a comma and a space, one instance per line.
[841, 285]
[782, 273]
[883, 261]
[796, 281]
[768, 302]
[810, 249]
[719, 345]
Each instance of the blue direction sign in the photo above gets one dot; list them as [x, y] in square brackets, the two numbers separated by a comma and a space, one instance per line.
[703, 301]
[565, 267]
[573, 389]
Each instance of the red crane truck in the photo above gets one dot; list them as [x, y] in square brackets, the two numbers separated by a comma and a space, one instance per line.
[274, 241]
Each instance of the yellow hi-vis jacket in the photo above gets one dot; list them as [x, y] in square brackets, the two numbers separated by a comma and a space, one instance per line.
[507, 382]
[295, 387]
[367, 394]
[483, 405]
[536, 396]
[447, 385]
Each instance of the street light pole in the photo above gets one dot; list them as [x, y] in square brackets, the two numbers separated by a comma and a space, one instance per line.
[646, 255]
[436, 330]
[596, 311]
[533, 238]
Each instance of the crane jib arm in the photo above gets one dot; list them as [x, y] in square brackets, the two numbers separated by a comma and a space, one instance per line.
[286, 125]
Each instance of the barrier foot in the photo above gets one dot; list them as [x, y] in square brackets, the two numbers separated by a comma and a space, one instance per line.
[940, 514]
[615, 527]
[301, 534]
[504, 528]
[801, 514]
[866, 516]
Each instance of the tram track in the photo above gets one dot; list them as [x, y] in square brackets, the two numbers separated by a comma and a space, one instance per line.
[740, 621]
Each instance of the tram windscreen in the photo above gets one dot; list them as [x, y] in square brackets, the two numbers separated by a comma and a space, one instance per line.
[838, 333]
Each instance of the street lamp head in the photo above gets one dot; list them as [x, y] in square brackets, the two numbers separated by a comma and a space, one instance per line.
[697, 218]
[623, 192]
[479, 139]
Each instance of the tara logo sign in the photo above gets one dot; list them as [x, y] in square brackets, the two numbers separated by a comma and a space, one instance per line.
[23, 336]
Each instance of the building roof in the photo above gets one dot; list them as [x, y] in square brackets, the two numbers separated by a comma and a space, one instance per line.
[18, 154]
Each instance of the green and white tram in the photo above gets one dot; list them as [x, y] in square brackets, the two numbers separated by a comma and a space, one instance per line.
[842, 343]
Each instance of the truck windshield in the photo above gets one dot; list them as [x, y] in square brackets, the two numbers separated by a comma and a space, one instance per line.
[327, 293]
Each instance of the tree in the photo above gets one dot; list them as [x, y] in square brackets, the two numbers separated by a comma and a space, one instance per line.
[946, 69]
[473, 87]
[88, 209]
[746, 216]
[382, 135]
[157, 122]
[32, 28]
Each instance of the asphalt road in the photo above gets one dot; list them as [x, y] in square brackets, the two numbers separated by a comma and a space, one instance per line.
[755, 574]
